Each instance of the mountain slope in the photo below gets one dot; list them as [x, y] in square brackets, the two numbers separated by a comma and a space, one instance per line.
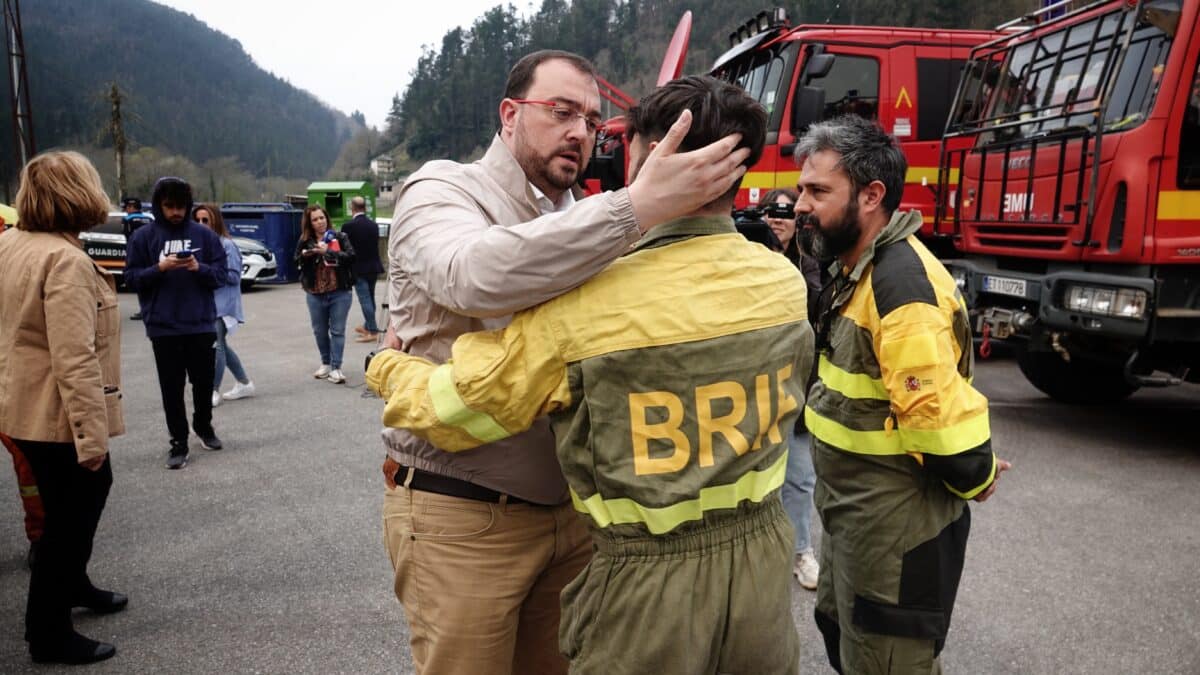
[188, 89]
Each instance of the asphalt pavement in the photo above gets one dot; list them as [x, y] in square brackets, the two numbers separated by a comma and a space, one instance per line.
[267, 557]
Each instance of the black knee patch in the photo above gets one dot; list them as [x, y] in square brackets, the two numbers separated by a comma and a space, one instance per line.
[929, 577]
[833, 639]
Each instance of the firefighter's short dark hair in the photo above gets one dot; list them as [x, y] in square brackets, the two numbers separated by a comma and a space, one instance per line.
[718, 108]
[520, 78]
[867, 152]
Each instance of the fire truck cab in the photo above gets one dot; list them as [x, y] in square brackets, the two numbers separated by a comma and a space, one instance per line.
[1077, 207]
[903, 77]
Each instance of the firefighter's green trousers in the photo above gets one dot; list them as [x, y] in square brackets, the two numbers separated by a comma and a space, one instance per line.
[891, 558]
[714, 600]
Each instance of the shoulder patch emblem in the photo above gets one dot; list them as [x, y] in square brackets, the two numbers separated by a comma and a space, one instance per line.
[911, 383]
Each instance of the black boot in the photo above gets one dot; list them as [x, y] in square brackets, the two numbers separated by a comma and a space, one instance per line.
[74, 650]
[100, 602]
[34, 546]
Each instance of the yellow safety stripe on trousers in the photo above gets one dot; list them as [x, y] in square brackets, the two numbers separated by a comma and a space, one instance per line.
[950, 440]
[754, 486]
[28, 490]
[453, 411]
[850, 385]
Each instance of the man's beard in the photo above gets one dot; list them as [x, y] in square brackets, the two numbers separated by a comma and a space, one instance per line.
[543, 169]
[825, 244]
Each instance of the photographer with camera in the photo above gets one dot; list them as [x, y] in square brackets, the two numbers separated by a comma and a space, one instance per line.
[777, 209]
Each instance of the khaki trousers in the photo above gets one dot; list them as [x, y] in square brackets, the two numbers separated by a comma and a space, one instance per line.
[480, 582]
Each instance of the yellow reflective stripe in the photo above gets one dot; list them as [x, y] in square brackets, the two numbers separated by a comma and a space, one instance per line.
[930, 174]
[971, 494]
[774, 179]
[970, 433]
[850, 385]
[1179, 205]
[950, 440]
[844, 438]
[452, 411]
[28, 490]
[754, 486]
[770, 179]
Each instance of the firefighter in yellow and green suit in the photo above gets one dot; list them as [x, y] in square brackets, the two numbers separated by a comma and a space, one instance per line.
[672, 380]
[900, 437]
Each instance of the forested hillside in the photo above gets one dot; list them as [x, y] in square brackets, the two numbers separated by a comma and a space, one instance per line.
[449, 109]
[188, 90]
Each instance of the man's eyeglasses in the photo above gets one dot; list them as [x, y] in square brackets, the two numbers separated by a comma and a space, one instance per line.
[566, 115]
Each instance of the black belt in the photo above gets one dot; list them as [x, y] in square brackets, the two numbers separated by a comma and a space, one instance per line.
[426, 481]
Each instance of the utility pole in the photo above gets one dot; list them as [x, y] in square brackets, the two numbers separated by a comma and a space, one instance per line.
[118, 134]
[18, 86]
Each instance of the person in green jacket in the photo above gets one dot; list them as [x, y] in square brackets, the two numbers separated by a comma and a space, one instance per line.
[671, 380]
[901, 439]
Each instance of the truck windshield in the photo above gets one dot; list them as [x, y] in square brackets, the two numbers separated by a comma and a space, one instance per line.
[762, 73]
[851, 87]
[1059, 79]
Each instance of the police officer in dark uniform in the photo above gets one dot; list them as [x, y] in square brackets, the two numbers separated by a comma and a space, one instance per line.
[134, 218]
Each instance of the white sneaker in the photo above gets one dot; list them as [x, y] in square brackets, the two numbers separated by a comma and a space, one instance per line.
[216, 399]
[336, 376]
[807, 570]
[322, 372]
[239, 391]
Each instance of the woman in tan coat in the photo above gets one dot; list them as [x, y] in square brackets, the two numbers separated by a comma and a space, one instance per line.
[60, 390]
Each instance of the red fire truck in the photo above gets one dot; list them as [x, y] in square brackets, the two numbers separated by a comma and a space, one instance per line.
[1077, 207]
[903, 77]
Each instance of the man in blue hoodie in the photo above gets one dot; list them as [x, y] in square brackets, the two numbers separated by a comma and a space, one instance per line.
[174, 265]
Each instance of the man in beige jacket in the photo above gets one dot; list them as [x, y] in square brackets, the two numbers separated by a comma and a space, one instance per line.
[483, 541]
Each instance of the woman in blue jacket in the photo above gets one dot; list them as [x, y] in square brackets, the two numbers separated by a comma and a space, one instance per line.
[229, 308]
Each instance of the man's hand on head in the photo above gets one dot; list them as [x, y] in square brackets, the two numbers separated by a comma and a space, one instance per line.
[672, 183]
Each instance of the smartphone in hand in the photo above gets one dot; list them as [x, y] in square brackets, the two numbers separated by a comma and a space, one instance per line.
[184, 254]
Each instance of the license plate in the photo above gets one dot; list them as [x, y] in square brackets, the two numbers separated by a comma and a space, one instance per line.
[1004, 286]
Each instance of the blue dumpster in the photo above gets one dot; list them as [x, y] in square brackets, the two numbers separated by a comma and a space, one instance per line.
[276, 226]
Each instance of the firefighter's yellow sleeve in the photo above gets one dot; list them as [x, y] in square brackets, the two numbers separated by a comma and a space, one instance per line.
[940, 417]
[493, 387]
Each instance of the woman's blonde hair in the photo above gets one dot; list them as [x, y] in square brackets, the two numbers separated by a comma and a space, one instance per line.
[60, 192]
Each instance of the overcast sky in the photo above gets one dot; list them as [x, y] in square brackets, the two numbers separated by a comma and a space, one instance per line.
[352, 54]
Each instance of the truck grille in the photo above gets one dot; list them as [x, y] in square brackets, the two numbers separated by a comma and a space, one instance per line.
[1029, 237]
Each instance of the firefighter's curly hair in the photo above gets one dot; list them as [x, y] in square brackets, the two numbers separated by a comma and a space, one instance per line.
[718, 109]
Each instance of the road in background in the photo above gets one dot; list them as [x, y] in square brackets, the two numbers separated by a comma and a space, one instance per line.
[267, 556]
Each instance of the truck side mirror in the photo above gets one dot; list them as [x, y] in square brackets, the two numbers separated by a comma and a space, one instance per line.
[817, 66]
[807, 108]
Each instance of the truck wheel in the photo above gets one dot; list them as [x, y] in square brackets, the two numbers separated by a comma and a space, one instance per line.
[1079, 381]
